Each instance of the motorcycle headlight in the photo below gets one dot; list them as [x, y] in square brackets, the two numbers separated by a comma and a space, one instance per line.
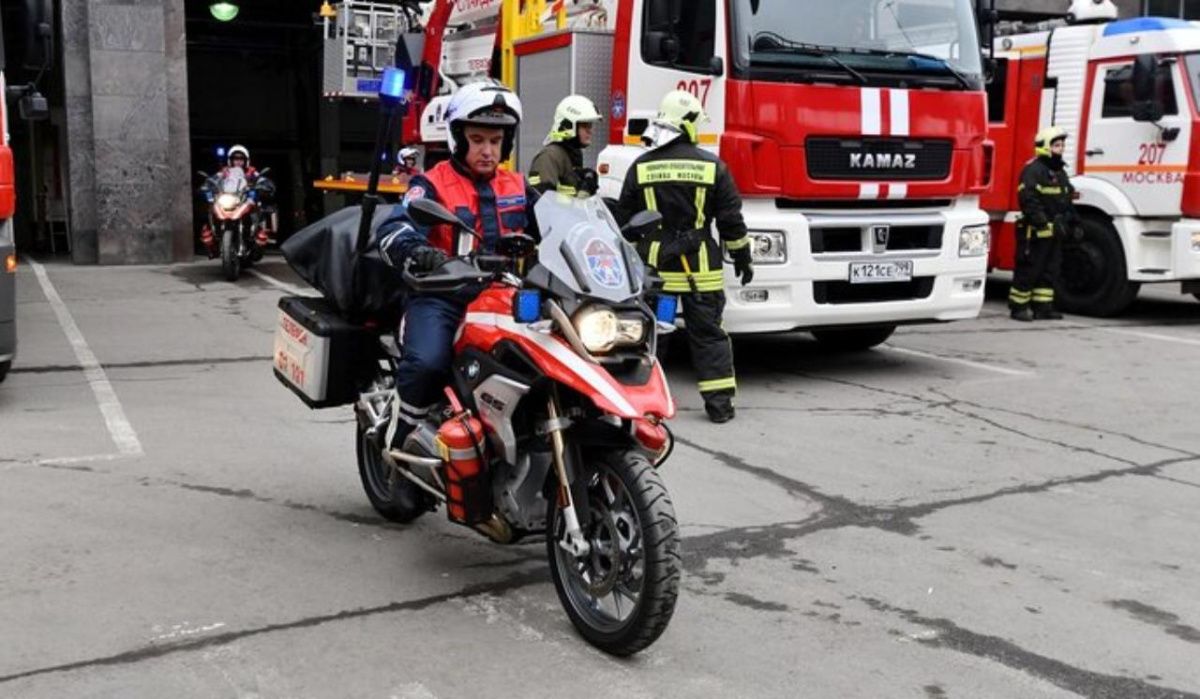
[598, 328]
[973, 241]
[229, 202]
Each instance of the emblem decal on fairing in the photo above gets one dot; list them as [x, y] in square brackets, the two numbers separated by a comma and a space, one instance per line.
[604, 264]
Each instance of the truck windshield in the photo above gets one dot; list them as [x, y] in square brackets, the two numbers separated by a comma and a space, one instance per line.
[932, 42]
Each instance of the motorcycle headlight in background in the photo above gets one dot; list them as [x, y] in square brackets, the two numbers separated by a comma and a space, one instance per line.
[973, 241]
[229, 202]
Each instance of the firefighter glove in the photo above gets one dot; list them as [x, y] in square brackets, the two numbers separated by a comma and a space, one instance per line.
[589, 181]
[426, 259]
[743, 266]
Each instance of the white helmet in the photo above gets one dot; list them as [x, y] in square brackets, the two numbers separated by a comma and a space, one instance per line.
[679, 114]
[572, 111]
[484, 103]
[408, 152]
[238, 149]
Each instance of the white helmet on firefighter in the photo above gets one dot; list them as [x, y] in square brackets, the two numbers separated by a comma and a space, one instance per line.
[408, 153]
[679, 113]
[1046, 137]
[235, 150]
[572, 111]
[485, 103]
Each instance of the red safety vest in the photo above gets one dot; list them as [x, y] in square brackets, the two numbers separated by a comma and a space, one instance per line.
[462, 195]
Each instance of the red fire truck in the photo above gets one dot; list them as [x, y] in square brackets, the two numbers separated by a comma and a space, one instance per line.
[855, 131]
[1128, 93]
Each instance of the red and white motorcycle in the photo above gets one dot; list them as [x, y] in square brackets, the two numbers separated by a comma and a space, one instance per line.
[238, 227]
[553, 422]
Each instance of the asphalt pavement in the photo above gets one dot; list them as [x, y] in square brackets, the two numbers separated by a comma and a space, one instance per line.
[978, 509]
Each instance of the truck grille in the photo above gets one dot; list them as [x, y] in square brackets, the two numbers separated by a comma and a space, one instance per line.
[878, 159]
[840, 292]
[900, 238]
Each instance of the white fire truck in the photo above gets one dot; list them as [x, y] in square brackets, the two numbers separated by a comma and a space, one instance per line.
[855, 132]
[1128, 93]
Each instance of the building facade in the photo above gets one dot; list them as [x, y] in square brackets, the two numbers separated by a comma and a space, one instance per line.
[114, 168]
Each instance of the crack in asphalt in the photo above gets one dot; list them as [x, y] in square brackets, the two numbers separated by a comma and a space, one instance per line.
[1097, 685]
[60, 368]
[499, 588]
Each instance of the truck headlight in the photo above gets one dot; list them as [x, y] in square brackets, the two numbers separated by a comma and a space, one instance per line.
[768, 247]
[973, 241]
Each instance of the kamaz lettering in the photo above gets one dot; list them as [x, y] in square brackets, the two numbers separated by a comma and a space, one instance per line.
[883, 161]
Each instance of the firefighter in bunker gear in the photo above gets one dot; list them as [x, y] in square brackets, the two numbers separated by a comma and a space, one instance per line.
[1047, 217]
[482, 122]
[559, 165]
[692, 189]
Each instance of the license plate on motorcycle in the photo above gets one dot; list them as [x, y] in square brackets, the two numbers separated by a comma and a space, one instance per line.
[881, 272]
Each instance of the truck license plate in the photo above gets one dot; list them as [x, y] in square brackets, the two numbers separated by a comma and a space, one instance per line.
[881, 272]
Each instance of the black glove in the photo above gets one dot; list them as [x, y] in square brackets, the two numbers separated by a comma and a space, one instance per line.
[589, 181]
[743, 266]
[426, 259]
[687, 243]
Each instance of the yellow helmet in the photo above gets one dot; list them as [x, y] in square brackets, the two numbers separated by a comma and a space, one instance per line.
[1047, 136]
[572, 111]
[681, 111]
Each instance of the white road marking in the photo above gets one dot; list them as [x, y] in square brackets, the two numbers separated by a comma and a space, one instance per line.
[184, 630]
[281, 285]
[122, 433]
[1153, 336]
[956, 360]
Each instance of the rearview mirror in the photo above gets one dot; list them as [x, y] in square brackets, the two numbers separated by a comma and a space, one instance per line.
[641, 223]
[517, 245]
[716, 66]
[427, 212]
[1145, 77]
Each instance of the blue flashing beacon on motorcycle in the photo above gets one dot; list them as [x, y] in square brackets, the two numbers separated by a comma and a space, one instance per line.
[392, 85]
[527, 307]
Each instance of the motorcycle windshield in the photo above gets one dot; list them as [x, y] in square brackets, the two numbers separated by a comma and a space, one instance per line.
[234, 181]
[582, 246]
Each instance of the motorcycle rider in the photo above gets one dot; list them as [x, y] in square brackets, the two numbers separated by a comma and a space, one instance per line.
[482, 120]
[406, 162]
[1047, 215]
[559, 165]
[239, 156]
[692, 188]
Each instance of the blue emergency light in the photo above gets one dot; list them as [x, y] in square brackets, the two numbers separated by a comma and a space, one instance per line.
[220, 151]
[392, 84]
[527, 306]
[667, 307]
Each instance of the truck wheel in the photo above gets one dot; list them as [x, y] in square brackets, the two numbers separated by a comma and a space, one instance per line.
[854, 339]
[1094, 281]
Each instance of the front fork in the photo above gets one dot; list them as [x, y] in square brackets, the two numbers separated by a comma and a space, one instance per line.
[573, 540]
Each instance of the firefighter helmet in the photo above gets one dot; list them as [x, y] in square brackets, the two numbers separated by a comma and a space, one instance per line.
[1046, 137]
[485, 103]
[679, 113]
[407, 153]
[572, 111]
[235, 150]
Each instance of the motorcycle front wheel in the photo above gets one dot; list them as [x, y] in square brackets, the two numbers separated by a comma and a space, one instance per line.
[231, 263]
[621, 595]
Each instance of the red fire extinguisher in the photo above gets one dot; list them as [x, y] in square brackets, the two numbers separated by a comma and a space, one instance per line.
[468, 494]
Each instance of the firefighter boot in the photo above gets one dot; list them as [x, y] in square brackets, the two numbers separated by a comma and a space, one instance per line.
[1045, 311]
[719, 407]
[1022, 313]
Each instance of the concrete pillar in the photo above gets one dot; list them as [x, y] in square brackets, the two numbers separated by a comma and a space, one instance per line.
[125, 82]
